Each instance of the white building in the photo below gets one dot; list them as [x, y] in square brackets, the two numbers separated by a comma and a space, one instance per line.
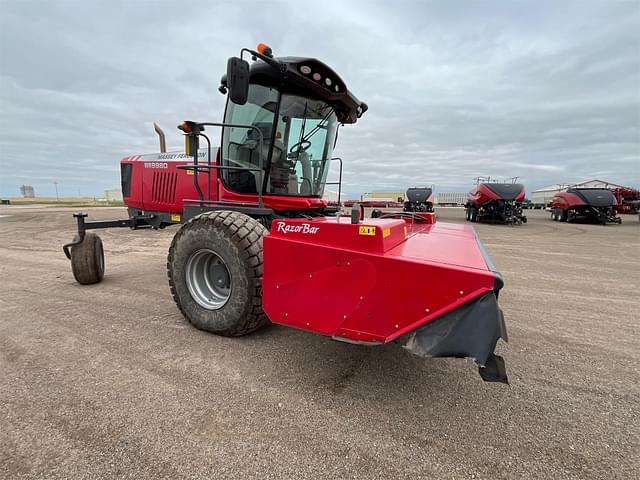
[27, 191]
[114, 195]
[452, 198]
[544, 195]
[389, 197]
[331, 196]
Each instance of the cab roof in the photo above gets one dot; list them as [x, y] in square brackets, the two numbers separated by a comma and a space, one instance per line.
[308, 77]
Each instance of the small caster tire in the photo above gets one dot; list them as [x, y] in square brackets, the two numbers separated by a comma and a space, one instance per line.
[87, 260]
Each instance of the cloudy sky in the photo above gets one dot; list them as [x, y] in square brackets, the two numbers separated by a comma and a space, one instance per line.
[547, 91]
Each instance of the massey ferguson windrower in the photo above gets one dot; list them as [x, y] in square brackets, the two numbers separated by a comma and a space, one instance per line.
[258, 244]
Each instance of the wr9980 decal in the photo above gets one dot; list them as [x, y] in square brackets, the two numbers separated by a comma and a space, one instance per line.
[156, 165]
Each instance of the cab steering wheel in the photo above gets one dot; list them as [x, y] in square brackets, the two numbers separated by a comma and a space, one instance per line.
[299, 147]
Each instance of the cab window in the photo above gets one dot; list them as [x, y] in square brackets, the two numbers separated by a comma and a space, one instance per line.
[241, 146]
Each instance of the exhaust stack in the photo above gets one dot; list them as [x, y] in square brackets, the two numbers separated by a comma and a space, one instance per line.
[163, 143]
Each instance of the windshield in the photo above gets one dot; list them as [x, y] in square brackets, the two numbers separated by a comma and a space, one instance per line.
[304, 139]
[297, 143]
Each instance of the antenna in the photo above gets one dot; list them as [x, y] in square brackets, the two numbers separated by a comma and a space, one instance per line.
[481, 179]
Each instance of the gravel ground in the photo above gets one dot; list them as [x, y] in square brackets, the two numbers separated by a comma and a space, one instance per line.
[109, 381]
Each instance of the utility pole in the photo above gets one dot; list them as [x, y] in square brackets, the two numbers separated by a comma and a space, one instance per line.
[57, 198]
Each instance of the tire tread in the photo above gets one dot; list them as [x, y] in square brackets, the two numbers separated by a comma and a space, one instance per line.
[248, 234]
[84, 266]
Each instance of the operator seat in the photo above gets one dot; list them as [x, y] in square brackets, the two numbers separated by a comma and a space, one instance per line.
[280, 174]
[307, 175]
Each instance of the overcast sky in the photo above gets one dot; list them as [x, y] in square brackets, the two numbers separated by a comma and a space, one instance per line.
[547, 91]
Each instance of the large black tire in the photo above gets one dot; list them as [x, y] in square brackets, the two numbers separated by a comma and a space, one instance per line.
[208, 241]
[87, 260]
[563, 215]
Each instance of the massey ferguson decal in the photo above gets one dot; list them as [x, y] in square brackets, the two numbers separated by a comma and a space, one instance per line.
[180, 156]
[302, 228]
[169, 157]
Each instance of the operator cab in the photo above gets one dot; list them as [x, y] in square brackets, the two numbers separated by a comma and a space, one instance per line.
[294, 106]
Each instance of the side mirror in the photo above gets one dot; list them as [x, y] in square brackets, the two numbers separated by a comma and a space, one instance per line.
[238, 80]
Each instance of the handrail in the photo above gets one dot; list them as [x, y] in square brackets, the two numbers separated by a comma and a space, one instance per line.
[221, 202]
[225, 167]
[339, 182]
[195, 167]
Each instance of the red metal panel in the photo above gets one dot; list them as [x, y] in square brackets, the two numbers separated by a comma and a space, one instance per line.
[444, 243]
[343, 288]
[566, 200]
[373, 235]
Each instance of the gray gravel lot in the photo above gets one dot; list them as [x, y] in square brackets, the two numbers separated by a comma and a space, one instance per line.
[109, 381]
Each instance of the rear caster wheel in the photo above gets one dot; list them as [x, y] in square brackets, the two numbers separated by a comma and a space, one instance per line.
[87, 260]
[215, 272]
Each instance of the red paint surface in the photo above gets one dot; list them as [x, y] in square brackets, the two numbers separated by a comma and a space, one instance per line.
[338, 282]
[566, 200]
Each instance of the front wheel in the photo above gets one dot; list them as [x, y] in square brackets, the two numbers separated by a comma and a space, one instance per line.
[215, 272]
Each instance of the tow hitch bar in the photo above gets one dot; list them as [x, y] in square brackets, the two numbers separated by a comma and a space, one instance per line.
[134, 223]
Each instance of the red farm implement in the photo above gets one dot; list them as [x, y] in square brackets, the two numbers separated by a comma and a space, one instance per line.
[257, 243]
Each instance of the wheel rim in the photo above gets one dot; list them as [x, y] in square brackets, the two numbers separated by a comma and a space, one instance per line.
[208, 279]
